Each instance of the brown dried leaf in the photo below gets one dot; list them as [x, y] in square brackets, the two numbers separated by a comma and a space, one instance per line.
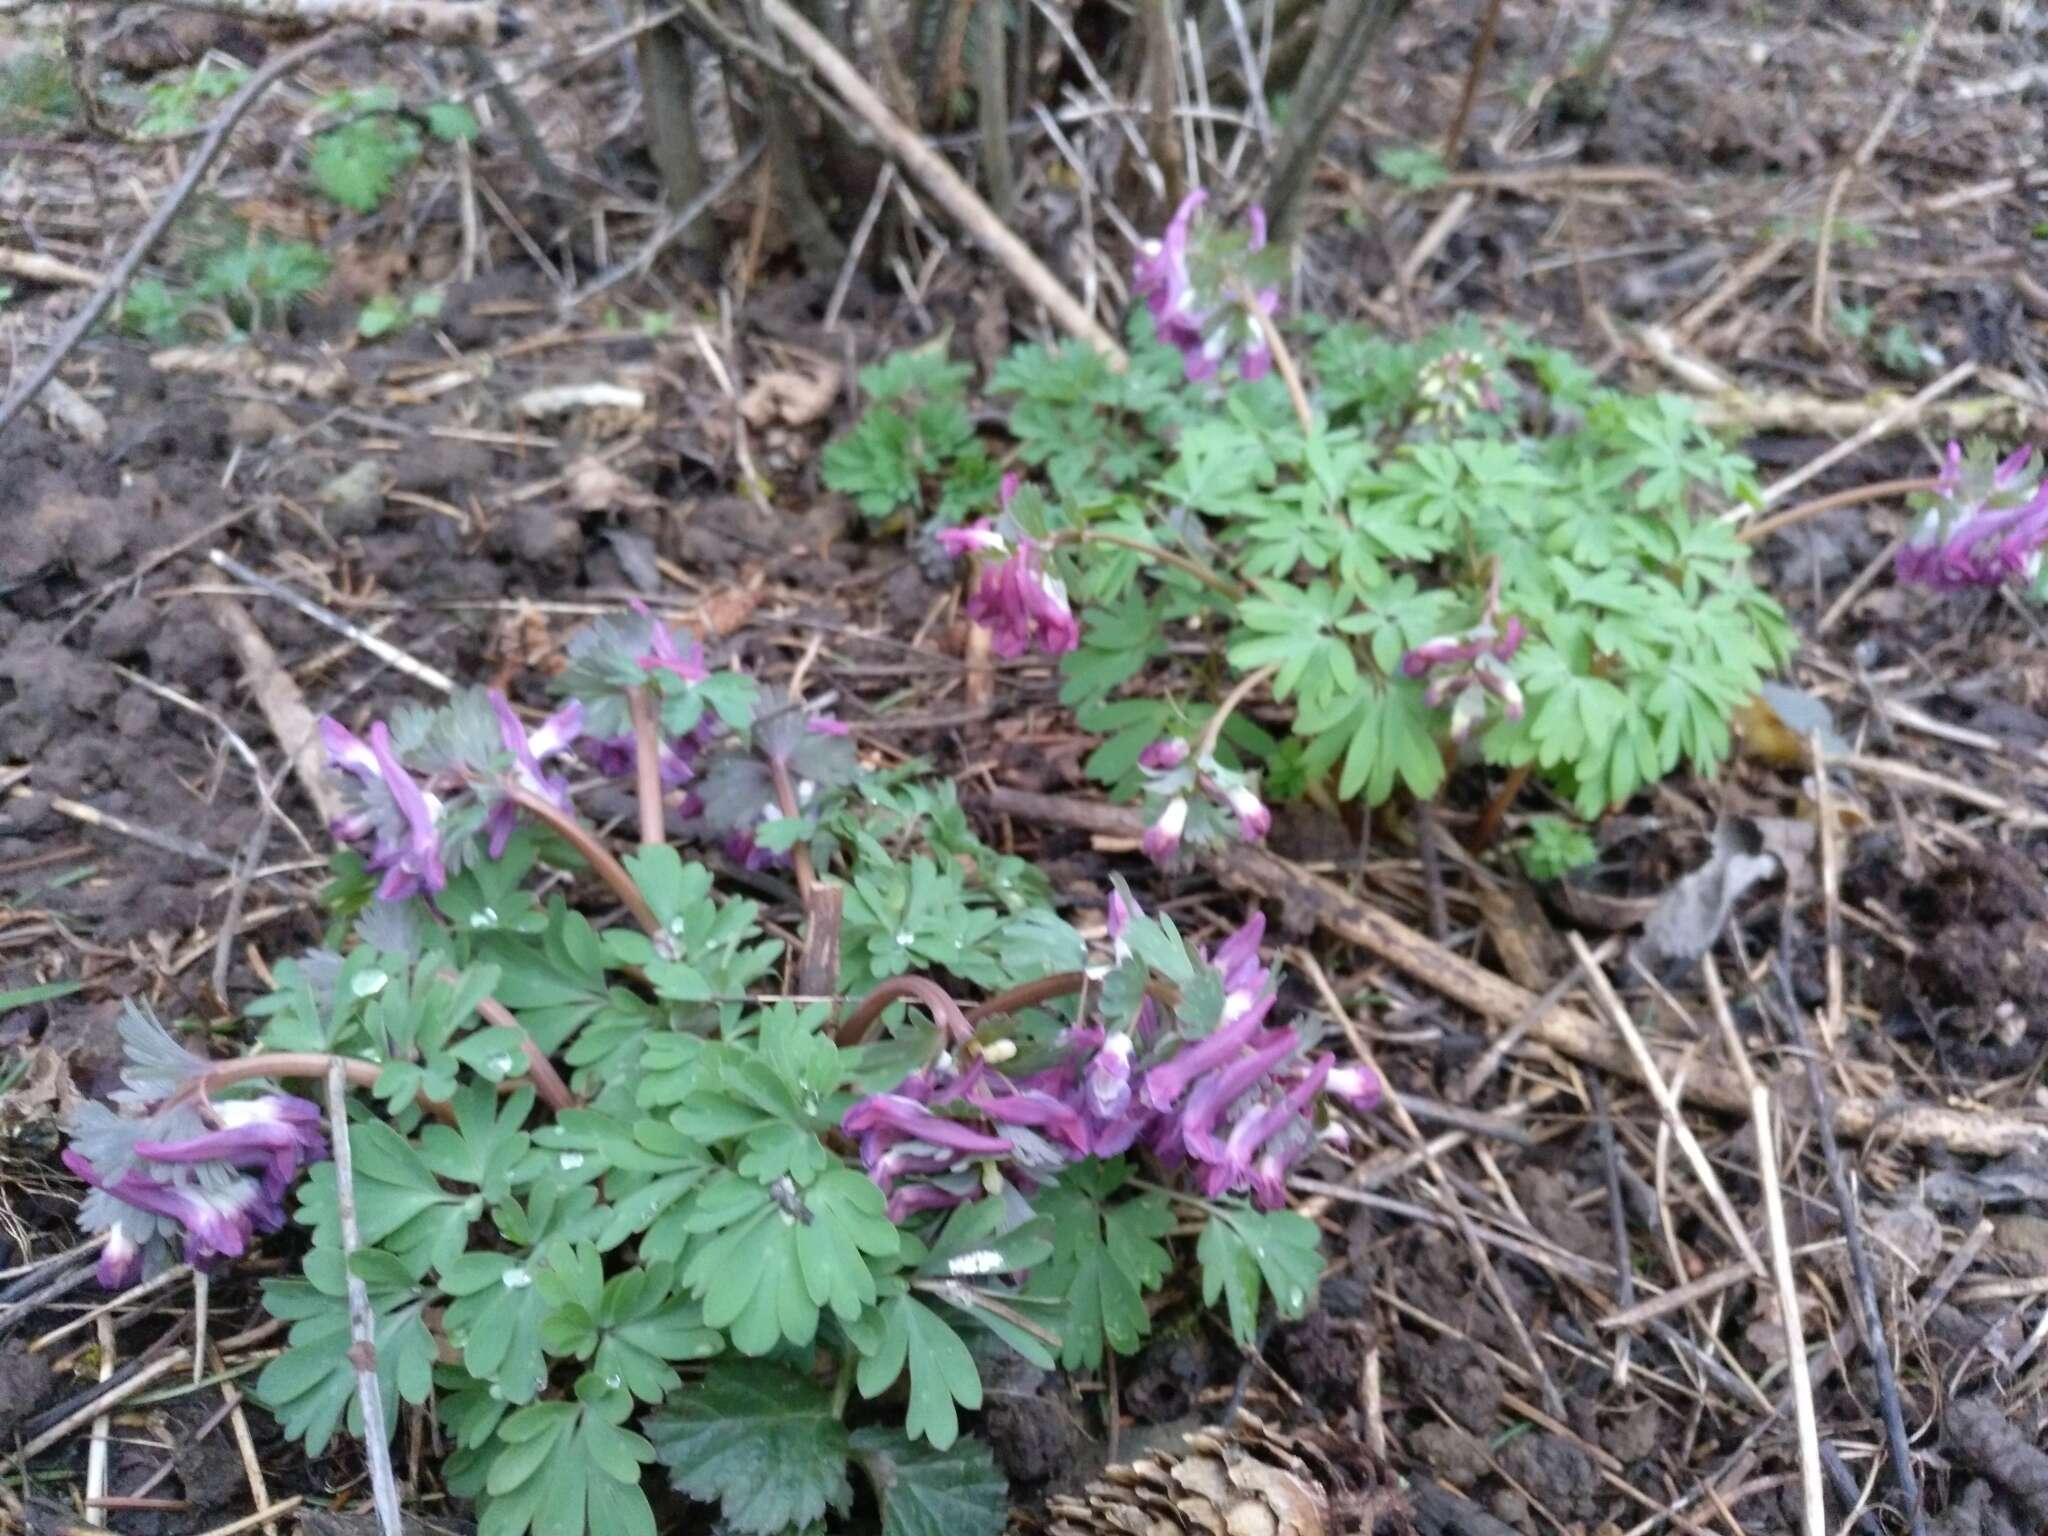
[795, 397]
[594, 486]
[42, 1094]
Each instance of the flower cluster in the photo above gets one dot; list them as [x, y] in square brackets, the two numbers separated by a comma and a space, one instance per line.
[401, 820]
[1983, 530]
[1204, 297]
[208, 1176]
[1236, 1107]
[613, 754]
[1470, 667]
[1017, 600]
[1196, 799]
[1452, 386]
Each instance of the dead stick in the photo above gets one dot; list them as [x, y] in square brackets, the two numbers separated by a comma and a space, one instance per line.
[436, 21]
[284, 707]
[1813, 1504]
[1859, 1261]
[940, 179]
[268, 74]
[1482, 48]
[1816, 319]
[362, 1323]
[647, 767]
[1566, 1030]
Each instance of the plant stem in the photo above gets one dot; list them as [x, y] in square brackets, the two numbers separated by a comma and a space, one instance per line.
[992, 101]
[799, 852]
[1030, 994]
[1155, 17]
[1212, 729]
[601, 859]
[935, 998]
[547, 1082]
[647, 767]
[1833, 501]
[1283, 359]
[1497, 808]
[281, 1064]
[1482, 49]
[1594, 80]
[1344, 37]
[1223, 586]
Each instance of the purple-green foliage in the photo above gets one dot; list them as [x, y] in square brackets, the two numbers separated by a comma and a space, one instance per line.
[647, 1264]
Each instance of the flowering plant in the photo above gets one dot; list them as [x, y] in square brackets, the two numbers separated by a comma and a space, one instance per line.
[1984, 526]
[620, 1194]
[1459, 552]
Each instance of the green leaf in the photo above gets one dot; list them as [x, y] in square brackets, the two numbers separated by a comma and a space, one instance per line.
[1240, 1246]
[357, 163]
[628, 1326]
[765, 1274]
[760, 1442]
[400, 1205]
[452, 122]
[313, 1383]
[925, 1491]
[379, 317]
[1106, 1256]
[942, 1372]
[564, 1468]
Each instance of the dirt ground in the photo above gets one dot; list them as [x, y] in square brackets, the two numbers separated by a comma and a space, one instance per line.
[406, 493]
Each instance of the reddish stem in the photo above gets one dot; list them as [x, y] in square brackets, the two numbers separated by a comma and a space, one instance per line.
[547, 1082]
[647, 767]
[608, 868]
[1833, 501]
[1030, 994]
[935, 998]
[799, 852]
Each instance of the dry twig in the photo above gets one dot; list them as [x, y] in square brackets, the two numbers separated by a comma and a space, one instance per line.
[362, 1323]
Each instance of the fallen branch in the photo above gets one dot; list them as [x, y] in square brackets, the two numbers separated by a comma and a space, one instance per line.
[284, 707]
[436, 21]
[266, 75]
[1566, 1030]
[939, 178]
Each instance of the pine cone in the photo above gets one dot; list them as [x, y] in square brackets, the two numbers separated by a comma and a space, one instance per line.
[1247, 1480]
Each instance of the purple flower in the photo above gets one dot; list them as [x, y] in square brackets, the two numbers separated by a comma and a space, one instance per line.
[663, 655]
[1165, 1084]
[1164, 755]
[120, 1263]
[396, 815]
[1022, 605]
[275, 1136]
[218, 1220]
[552, 736]
[1200, 301]
[978, 538]
[1234, 1166]
[1978, 536]
[896, 1115]
[922, 1160]
[1109, 1078]
[1220, 1089]
[1254, 821]
[1162, 839]
[1359, 1088]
